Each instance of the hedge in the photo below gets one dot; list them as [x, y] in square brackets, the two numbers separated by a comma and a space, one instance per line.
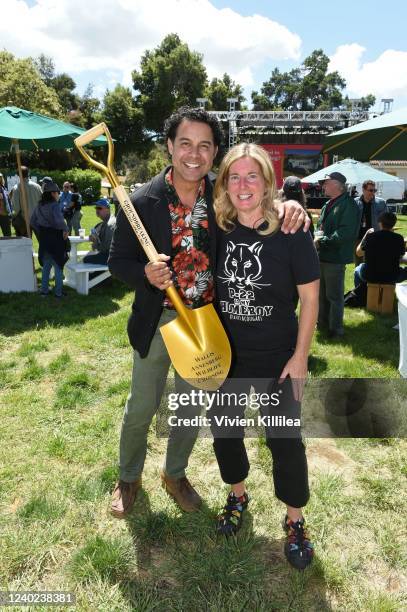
[83, 178]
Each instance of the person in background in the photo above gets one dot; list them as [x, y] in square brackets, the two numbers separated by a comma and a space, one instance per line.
[370, 208]
[292, 190]
[65, 196]
[5, 208]
[382, 250]
[44, 180]
[338, 227]
[33, 192]
[52, 231]
[72, 212]
[101, 235]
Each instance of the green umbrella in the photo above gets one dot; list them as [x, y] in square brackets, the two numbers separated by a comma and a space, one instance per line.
[384, 137]
[23, 129]
[35, 131]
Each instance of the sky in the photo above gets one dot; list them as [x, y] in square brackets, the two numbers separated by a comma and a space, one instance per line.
[102, 41]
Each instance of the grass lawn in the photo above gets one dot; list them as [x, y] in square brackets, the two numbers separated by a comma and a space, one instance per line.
[65, 370]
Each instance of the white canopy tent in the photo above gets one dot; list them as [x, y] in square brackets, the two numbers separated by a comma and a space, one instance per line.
[388, 186]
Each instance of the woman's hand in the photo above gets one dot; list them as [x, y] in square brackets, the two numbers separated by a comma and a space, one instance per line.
[297, 369]
[294, 216]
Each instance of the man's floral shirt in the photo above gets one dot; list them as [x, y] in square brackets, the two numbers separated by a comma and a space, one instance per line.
[190, 264]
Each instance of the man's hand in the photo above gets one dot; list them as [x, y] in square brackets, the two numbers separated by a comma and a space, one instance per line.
[294, 216]
[158, 273]
[65, 235]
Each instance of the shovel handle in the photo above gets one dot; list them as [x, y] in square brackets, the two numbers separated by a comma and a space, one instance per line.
[92, 134]
[119, 190]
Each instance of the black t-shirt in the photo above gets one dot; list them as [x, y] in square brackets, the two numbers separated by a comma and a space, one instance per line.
[256, 286]
[383, 250]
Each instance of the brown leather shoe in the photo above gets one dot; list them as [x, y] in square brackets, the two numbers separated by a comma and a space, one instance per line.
[182, 491]
[123, 498]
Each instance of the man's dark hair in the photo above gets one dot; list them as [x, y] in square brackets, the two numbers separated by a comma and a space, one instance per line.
[367, 183]
[388, 220]
[24, 171]
[192, 114]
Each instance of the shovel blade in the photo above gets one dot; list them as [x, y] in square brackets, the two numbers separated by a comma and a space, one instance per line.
[198, 347]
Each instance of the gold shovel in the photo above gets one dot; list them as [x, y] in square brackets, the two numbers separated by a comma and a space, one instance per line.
[196, 341]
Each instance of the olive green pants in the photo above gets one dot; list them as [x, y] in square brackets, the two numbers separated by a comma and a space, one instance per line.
[147, 387]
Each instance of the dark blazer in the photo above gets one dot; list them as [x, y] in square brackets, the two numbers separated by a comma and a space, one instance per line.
[127, 259]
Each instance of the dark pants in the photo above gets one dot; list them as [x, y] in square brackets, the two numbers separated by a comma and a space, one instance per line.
[96, 258]
[290, 471]
[331, 301]
[5, 224]
[359, 276]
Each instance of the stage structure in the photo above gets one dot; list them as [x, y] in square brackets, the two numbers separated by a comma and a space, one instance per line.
[293, 139]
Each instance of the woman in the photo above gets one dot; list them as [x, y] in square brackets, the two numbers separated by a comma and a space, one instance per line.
[48, 222]
[5, 208]
[260, 274]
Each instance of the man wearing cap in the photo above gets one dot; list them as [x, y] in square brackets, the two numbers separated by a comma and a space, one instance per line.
[101, 235]
[337, 229]
[370, 208]
[43, 182]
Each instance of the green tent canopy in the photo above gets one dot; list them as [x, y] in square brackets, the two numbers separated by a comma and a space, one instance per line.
[384, 137]
[24, 130]
[33, 131]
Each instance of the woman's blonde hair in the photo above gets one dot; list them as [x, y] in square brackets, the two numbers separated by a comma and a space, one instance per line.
[225, 212]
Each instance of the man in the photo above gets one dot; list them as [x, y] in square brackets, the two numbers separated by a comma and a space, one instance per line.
[339, 222]
[45, 181]
[72, 212]
[370, 209]
[102, 234]
[65, 196]
[383, 250]
[33, 193]
[176, 209]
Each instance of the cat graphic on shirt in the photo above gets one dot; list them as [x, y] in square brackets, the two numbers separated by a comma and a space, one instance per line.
[242, 266]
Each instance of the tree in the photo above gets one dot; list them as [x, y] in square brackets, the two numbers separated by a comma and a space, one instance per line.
[46, 68]
[170, 76]
[140, 170]
[62, 83]
[364, 103]
[309, 87]
[320, 89]
[64, 86]
[124, 119]
[21, 85]
[88, 108]
[219, 90]
[281, 91]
